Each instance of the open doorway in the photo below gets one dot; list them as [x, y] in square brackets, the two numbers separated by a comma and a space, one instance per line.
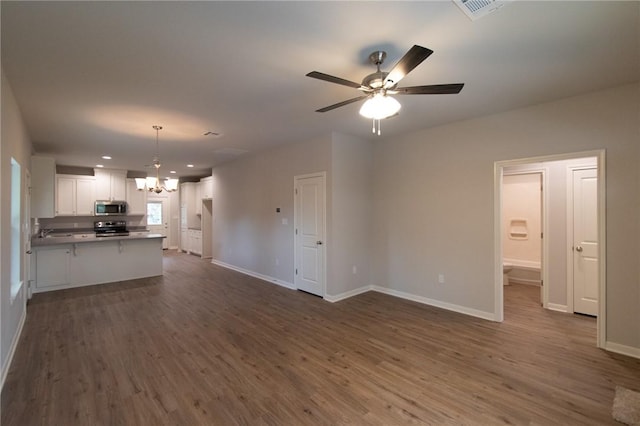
[564, 258]
[522, 233]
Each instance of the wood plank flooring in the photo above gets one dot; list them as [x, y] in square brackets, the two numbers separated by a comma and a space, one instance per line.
[203, 345]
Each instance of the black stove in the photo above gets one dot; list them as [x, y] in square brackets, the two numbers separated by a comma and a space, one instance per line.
[110, 228]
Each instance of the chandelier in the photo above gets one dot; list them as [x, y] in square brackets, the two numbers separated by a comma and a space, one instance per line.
[153, 184]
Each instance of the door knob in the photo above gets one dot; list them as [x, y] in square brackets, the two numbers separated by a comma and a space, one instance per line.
[319, 243]
[579, 249]
[29, 252]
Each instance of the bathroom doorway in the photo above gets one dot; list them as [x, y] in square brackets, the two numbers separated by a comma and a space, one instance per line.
[557, 260]
[522, 233]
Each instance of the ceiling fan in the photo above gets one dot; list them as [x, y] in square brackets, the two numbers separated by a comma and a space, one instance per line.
[379, 85]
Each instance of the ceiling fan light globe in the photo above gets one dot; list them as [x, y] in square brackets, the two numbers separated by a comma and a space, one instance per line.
[380, 107]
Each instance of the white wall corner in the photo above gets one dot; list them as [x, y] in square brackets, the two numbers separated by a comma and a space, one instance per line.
[622, 349]
[347, 294]
[490, 316]
[267, 278]
[12, 349]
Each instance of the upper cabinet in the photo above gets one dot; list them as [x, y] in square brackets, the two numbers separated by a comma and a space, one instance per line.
[75, 195]
[111, 184]
[43, 181]
[136, 199]
[206, 187]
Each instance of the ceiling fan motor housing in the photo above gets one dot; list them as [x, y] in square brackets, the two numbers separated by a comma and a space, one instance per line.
[375, 80]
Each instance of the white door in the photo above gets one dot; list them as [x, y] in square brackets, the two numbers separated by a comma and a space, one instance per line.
[585, 241]
[309, 218]
[158, 218]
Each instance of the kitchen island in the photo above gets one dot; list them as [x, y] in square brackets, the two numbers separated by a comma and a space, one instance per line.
[76, 260]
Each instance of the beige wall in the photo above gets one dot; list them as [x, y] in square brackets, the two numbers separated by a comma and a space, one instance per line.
[247, 231]
[433, 199]
[351, 192]
[16, 144]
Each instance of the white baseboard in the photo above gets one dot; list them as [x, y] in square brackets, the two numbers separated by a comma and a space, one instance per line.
[12, 350]
[347, 294]
[523, 264]
[524, 281]
[557, 307]
[273, 280]
[622, 349]
[437, 303]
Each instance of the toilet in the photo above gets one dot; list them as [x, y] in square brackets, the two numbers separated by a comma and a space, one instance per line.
[506, 268]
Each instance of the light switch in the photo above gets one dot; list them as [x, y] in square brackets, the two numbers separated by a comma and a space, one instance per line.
[285, 221]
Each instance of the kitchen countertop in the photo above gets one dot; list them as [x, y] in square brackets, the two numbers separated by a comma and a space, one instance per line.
[57, 239]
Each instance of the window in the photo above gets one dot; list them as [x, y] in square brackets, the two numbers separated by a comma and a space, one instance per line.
[154, 213]
[16, 251]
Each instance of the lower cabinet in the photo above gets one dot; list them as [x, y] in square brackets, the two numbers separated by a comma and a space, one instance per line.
[81, 264]
[195, 241]
[184, 240]
[52, 267]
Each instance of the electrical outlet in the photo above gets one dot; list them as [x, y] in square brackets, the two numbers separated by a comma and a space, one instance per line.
[441, 278]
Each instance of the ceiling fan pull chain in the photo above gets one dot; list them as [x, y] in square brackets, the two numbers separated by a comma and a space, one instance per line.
[373, 128]
[378, 127]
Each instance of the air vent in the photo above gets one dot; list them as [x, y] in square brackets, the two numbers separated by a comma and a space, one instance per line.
[475, 9]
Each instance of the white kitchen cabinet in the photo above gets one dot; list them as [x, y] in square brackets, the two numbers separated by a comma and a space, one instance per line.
[206, 187]
[189, 218]
[52, 267]
[75, 195]
[136, 200]
[67, 265]
[85, 196]
[184, 239]
[43, 185]
[111, 184]
[198, 199]
[195, 241]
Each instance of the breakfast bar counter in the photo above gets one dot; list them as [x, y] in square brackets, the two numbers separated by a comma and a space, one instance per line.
[75, 260]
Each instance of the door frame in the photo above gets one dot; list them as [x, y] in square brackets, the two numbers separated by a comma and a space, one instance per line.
[544, 219]
[602, 248]
[569, 219]
[296, 213]
[26, 229]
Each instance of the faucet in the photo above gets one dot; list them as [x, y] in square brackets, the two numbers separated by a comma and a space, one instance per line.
[45, 232]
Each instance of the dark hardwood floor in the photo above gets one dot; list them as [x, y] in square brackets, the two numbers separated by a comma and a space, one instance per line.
[203, 345]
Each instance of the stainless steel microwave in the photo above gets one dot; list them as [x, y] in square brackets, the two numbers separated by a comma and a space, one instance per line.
[110, 208]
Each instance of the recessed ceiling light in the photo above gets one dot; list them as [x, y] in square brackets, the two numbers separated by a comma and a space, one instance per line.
[106, 157]
[99, 165]
[189, 165]
[172, 171]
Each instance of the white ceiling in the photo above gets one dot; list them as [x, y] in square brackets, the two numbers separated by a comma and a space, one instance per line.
[91, 78]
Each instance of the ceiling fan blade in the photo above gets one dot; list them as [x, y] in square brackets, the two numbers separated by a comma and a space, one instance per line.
[434, 89]
[409, 61]
[343, 103]
[332, 79]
